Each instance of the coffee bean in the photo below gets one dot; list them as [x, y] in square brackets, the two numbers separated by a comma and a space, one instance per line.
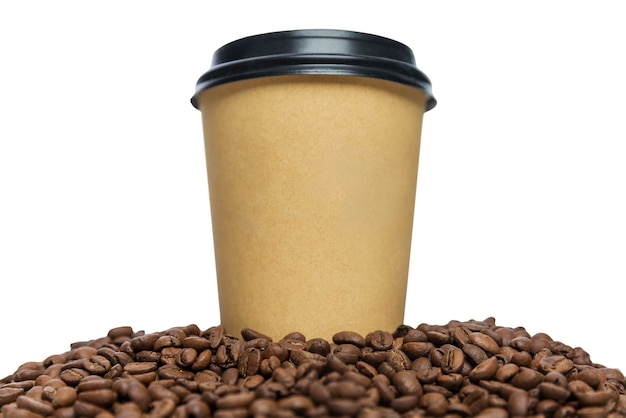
[379, 340]
[349, 337]
[435, 404]
[9, 394]
[318, 346]
[249, 334]
[406, 383]
[347, 353]
[485, 370]
[299, 404]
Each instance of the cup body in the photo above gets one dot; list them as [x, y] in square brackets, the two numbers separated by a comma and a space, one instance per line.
[312, 181]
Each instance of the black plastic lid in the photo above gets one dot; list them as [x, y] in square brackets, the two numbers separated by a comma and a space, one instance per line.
[315, 51]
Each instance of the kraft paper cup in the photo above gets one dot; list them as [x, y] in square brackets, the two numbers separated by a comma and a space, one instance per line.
[312, 142]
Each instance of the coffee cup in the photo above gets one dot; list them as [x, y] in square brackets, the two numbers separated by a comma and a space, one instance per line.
[312, 141]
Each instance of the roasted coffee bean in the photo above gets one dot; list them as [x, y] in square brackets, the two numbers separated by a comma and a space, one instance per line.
[398, 360]
[406, 383]
[485, 342]
[347, 353]
[485, 370]
[249, 334]
[379, 340]
[36, 406]
[276, 350]
[474, 353]
[349, 337]
[435, 404]
[318, 346]
[470, 368]
[373, 357]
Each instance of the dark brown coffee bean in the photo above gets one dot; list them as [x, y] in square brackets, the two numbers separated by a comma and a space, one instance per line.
[230, 376]
[522, 343]
[474, 353]
[139, 395]
[263, 407]
[9, 394]
[398, 360]
[594, 398]
[485, 370]
[249, 334]
[452, 381]
[404, 403]
[485, 342]
[258, 343]
[196, 408]
[163, 407]
[373, 357]
[475, 397]
[59, 396]
[347, 353]
[35, 405]
[143, 342]
[140, 367]
[103, 398]
[318, 346]
[552, 391]
[406, 383]
[236, 400]
[556, 363]
[522, 358]
[196, 342]
[97, 365]
[94, 382]
[82, 352]
[438, 337]
[434, 403]
[73, 376]
[285, 376]
[349, 337]
[452, 360]
[383, 386]
[123, 332]
[343, 407]
[202, 361]
[519, 403]
[292, 344]
[268, 365]
[215, 336]
[299, 356]
[429, 375]
[506, 372]
[460, 335]
[299, 404]
[556, 378]
[366, 369]
[253, 381]
[417, 349]
[527, 378]
[186, 357]
[379, 340]
[493, 412]
[346, 389]
[295, 336]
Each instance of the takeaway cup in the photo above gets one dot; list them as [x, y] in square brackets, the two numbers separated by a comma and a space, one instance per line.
[312, 142]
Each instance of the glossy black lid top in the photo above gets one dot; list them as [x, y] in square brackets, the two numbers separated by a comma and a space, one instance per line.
[315, 51]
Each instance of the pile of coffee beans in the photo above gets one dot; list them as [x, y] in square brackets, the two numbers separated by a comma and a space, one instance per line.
[461, 369]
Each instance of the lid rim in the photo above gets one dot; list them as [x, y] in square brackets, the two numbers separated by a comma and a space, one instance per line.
[314, 51]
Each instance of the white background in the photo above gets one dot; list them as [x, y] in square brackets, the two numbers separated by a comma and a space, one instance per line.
[104, 211]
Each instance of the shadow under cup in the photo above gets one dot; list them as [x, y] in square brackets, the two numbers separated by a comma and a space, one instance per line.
[312, 142]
